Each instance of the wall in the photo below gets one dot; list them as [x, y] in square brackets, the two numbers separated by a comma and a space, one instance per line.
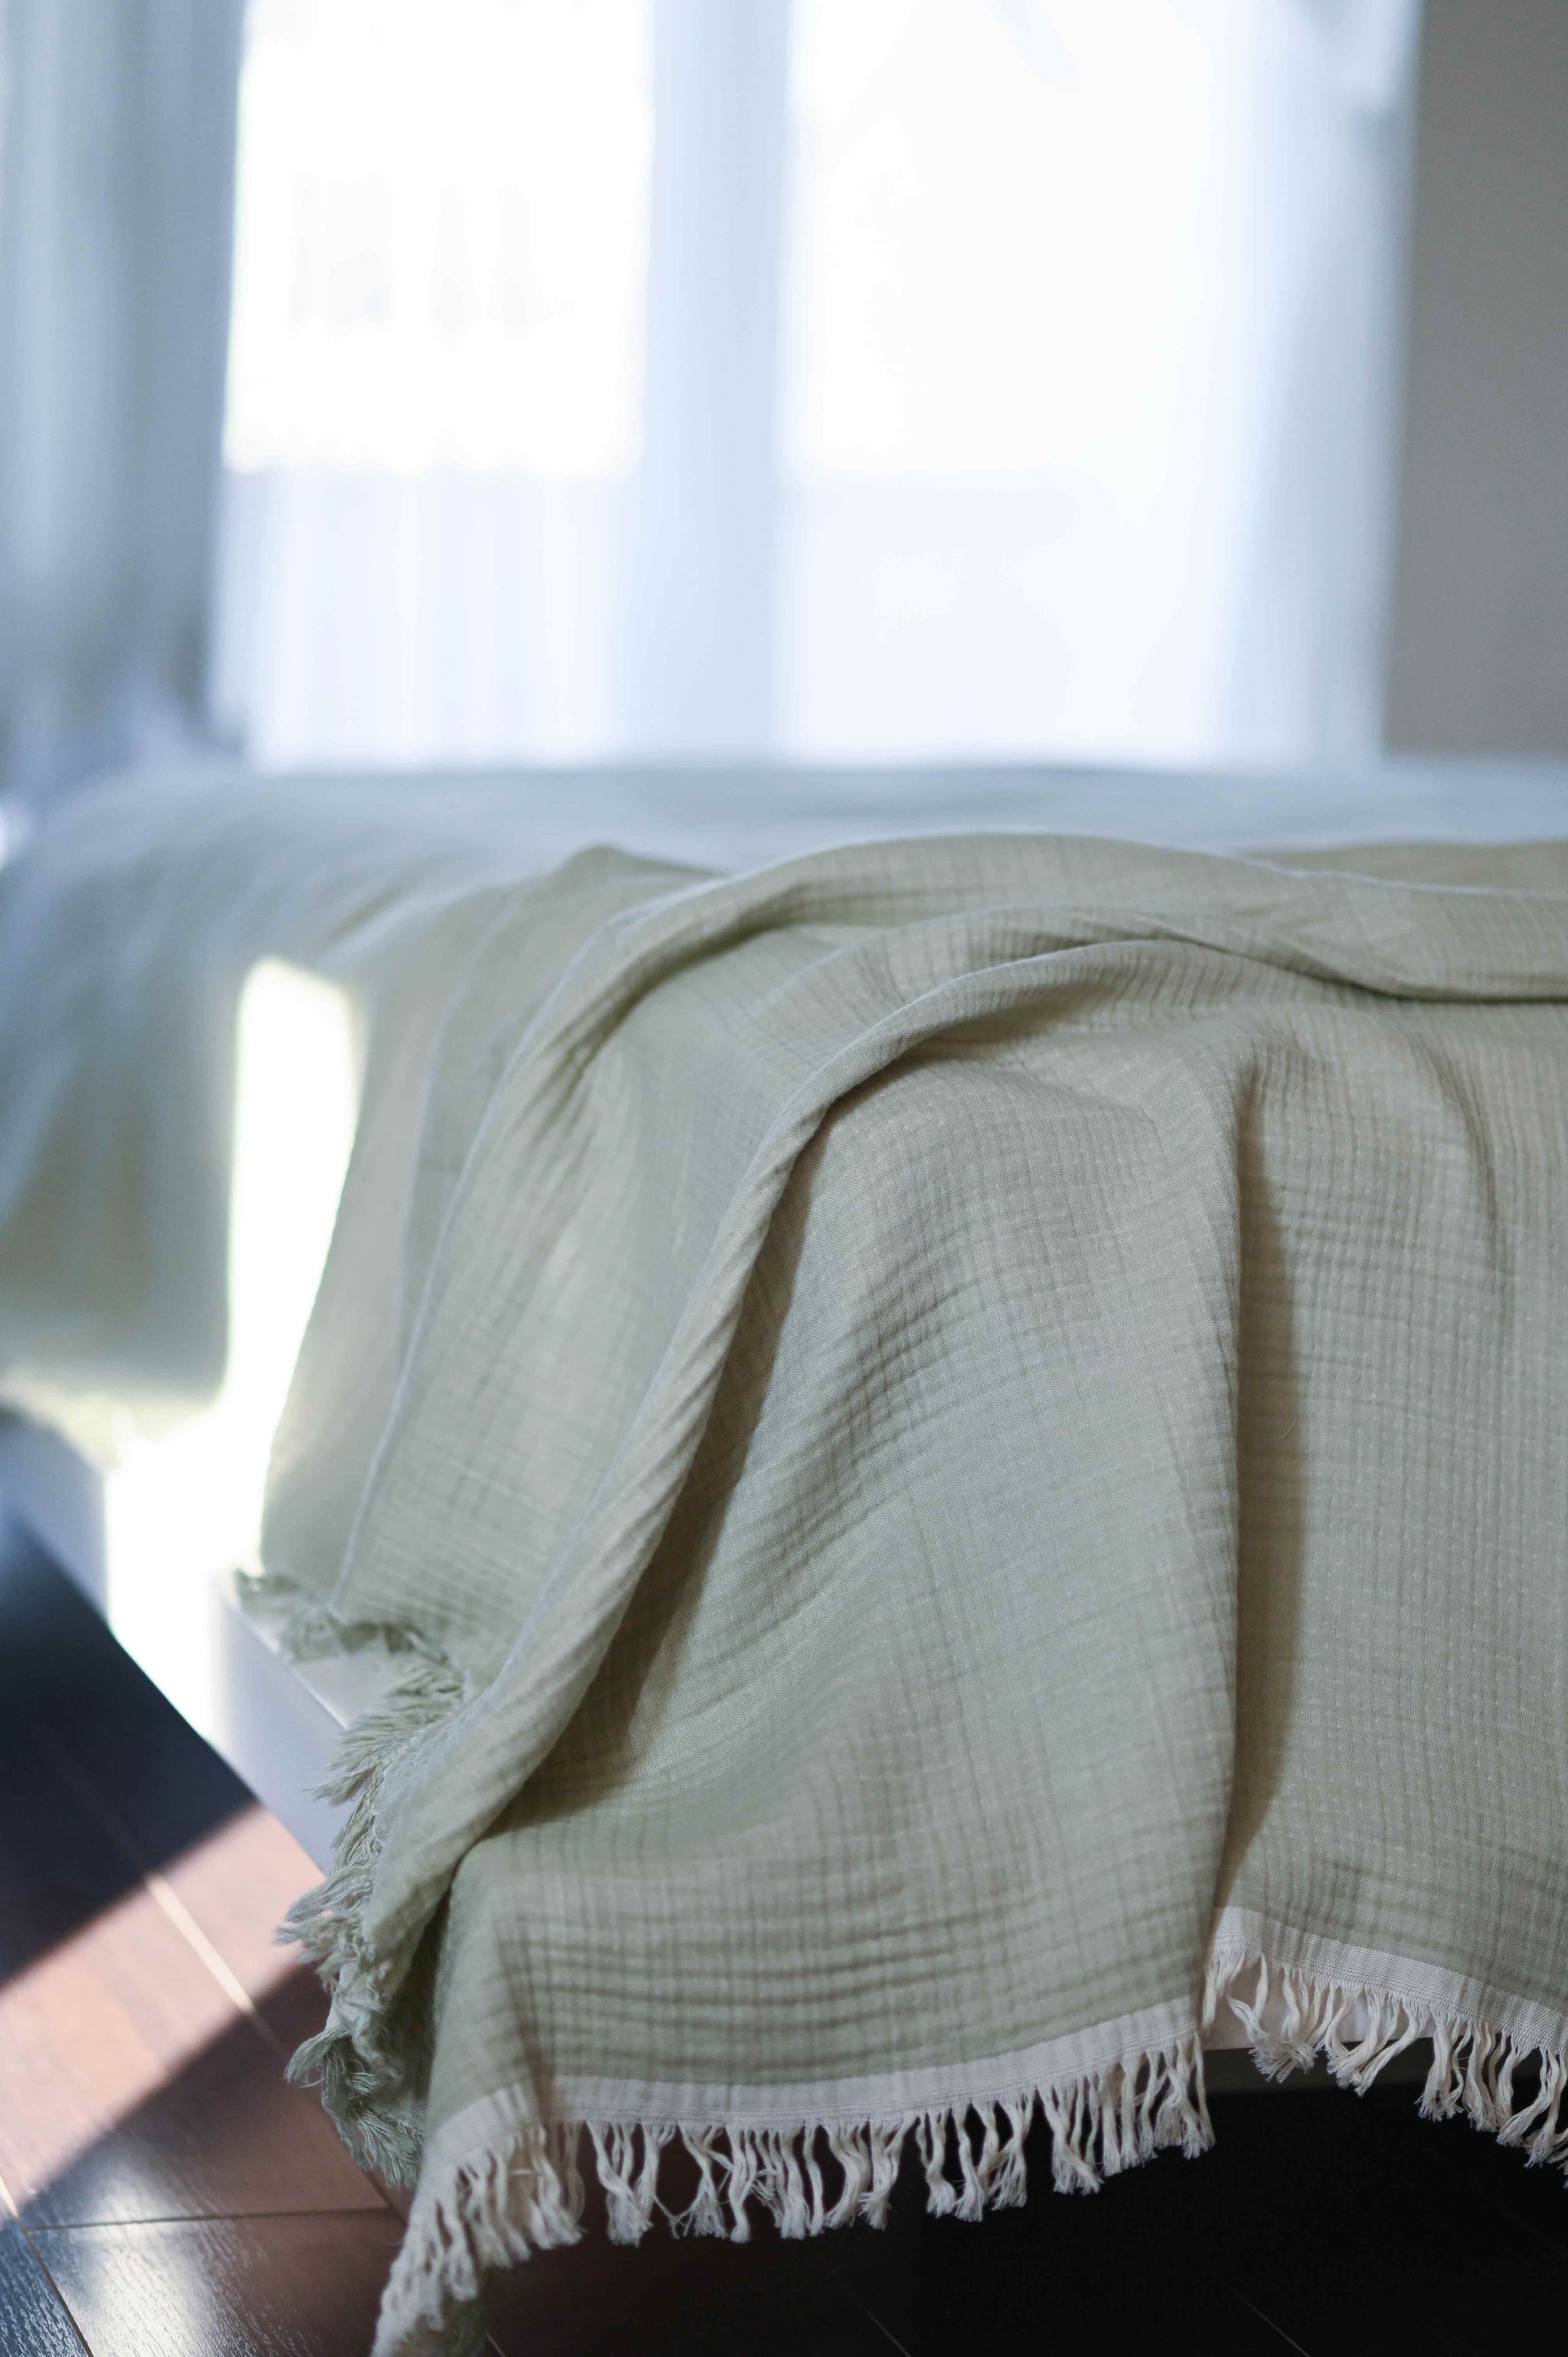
[1479, 654]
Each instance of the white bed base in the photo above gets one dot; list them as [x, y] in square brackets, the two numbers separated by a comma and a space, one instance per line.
[277, 1723]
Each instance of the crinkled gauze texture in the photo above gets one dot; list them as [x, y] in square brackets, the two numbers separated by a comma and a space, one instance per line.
[970, 1405]
[976, 1428]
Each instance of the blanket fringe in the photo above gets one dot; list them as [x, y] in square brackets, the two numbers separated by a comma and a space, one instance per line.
[1474, 2064]
[370, 2060]
[525, 2192]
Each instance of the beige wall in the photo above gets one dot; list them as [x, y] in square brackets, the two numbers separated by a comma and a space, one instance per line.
[1479, 656]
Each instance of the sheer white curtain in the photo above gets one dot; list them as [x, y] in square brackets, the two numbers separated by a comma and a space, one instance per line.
[906, 377]
[117, 177]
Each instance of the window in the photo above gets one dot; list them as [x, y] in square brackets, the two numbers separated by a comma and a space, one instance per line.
[435, 374]
[1010, 378]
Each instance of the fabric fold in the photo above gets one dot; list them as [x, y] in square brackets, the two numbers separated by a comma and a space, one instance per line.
[968, 1438]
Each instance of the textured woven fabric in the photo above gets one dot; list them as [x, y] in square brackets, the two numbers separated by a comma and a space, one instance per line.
[972, 1436]
[985, 1421]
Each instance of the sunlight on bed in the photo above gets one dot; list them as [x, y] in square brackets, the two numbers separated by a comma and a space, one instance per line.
[186, 1506]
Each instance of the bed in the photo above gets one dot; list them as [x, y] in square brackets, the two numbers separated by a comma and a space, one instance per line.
[164, 1533]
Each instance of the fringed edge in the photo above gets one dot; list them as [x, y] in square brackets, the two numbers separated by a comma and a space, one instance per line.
[369, 2060]
[525, 2192]
[311, 1632]
[1474, 2063]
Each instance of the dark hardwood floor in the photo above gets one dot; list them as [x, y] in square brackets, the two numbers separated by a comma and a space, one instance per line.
[165, 2194]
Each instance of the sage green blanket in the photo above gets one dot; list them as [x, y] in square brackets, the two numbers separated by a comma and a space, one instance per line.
[970, 1438]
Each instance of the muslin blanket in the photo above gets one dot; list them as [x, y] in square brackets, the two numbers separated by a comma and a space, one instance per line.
[966, 1440]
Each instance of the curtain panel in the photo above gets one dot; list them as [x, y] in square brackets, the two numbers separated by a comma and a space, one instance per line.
[934, 378]
[116, 180]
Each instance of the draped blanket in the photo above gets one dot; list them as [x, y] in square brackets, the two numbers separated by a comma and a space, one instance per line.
[967, 1442]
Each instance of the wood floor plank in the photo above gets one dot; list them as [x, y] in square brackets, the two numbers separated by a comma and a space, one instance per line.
[59, 1869]
[229, 2136]
[225, 2137]
[143, 2030]
[227, 1896]
[33, 2322]
[237, 1885]
[93, 2028]
[59, 1662]
[225, 2288]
